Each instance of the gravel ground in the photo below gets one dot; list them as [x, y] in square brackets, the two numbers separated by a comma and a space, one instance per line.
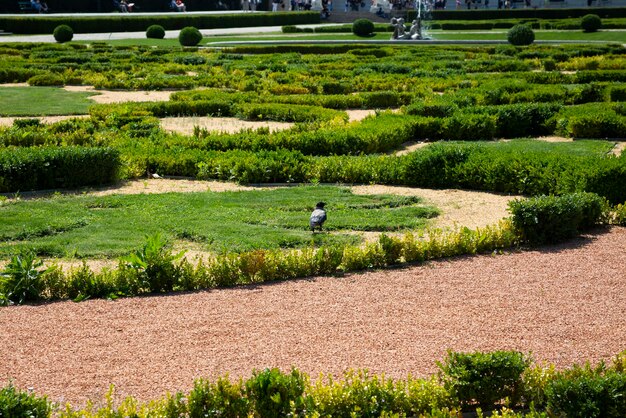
[565, 304]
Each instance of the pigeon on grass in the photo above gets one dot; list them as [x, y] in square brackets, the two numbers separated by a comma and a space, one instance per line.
[318, 216]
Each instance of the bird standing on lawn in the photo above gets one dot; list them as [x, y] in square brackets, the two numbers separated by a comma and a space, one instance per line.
[318, 217]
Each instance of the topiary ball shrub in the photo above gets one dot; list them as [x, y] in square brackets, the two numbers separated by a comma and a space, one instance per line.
[363, 28]
[63, 33]
[591, 23]
[520, 35]
[155, 32]
[189, 36]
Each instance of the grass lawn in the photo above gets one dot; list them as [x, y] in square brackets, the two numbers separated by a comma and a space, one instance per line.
[579, 147]
[109, 226]
[540, 35]
[42, 101]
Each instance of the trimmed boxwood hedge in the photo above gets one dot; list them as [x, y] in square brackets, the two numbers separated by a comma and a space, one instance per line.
[127, 22]
[24, 169]
[538, 13]
[552, 219]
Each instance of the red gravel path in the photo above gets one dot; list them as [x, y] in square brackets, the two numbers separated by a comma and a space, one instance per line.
[565, 304]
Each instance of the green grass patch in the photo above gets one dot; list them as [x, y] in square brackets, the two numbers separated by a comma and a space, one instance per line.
[540, 35]
[231, 221]
[579, 147]
[42, 101]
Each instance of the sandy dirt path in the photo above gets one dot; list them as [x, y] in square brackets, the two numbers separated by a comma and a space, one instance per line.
[565, 304]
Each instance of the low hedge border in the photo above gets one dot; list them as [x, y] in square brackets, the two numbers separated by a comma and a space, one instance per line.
[473, 382]
[538, 13]
[163, 272]
[126, 22]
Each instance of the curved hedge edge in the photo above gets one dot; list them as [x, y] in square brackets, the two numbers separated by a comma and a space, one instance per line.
[159, 271]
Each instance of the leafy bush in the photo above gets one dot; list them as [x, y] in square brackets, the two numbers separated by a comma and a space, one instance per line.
[274, 393]
[521, 35]
[551, 219]
[587, 392]
[154, 265]
[363, 28]
[189, 36]
[155, 32]
[483, 378]
[17, 403]
[21, 279]
[63, 33]
[360, 394]
[222, 398]
[619, 215]
[590, 23]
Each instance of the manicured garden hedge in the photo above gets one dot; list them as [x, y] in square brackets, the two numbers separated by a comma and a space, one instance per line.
[24, 169]
[551, 219]
[465, 382]
[127, 22]
[534, 13]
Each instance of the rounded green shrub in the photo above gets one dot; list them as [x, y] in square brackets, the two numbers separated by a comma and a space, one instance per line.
[63, 33]
[363, 27]
[484, 378]
[290, 29]
[590, 23]
[520, 35]
[47, 79]
[189, 36]
[155, 32]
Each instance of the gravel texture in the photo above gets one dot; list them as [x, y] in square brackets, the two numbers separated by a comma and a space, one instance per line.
[565, 304]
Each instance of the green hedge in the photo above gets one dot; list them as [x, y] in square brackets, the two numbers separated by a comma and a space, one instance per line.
[574, 392]
[588, 392]
[154, 269]
[287, 112]
[484, 379]
[24, 169]
[127, 22]
[538, 13]
[505, 169]
[514, 170]
[17, 403]
[552, 219]
[216, 107]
